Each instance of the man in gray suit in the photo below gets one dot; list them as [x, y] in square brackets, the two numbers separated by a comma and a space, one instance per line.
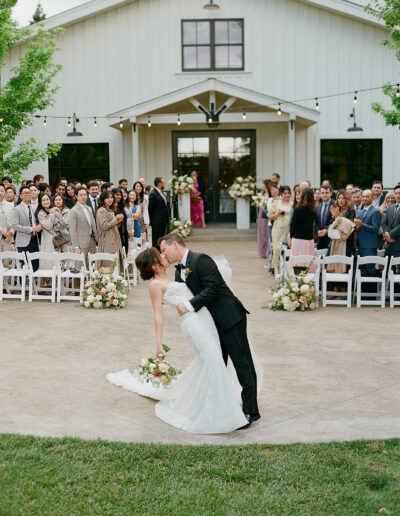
[391, 226]
[25, 227]
[82, 226]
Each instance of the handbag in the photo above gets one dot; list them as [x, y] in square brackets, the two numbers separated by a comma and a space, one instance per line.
[264, 214]
[59, 240]
[334, 233]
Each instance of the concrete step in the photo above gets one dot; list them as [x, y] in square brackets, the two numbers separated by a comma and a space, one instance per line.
[223, 232]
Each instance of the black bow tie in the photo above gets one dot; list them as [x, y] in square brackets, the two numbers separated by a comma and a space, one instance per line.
[179, 267]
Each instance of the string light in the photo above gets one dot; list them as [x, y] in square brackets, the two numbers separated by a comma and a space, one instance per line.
[210, 119]
[244, 114]
[95, 122]
[148, 121]
[1, 119]
[45, 121]
[69, 121]
[22, 121]
[355, 97]
[398, 91]
[279, 110]
[120, 122]
[316, 104]
[179, 121]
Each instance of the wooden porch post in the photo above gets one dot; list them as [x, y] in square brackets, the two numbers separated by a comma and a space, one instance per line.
[135, 152]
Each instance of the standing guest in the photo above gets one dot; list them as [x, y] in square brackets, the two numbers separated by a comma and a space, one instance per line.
[6, 231]
[326, 183]
[93, 195]
[63, 181]
[196, 203]
[70, 196]
[349, 188]
[389, 200]
[276, 178]
[368, 225]
[305, 184]
[147, 190]
[133, 215]
[77, 184]
[60, 204]
[82, 226]
[280, 216]
[61, 189]
[302, 226]
[38, 179]
[124, 192]
[158, 211]
[107, 186]
[378, 195]
[296, 195]
[34, 196]
[143, 181]
[52, 222]
[119, 209]
[343, 208]
[10, 196]
[263, 235]
[317, 196]
[25, 228]
[6, 181]
[45, 188]
[107, 227]
[123, 183]
[323, 217]
[391, 226]
[144, 219]
[356, 199]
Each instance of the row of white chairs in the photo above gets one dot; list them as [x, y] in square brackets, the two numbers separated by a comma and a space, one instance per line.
[63, 270]
[385, 283]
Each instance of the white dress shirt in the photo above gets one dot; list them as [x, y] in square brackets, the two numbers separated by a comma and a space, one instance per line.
[85, 209]
[93, 200]
[183, 276]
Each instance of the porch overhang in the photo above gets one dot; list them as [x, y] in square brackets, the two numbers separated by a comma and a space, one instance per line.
[192, 103]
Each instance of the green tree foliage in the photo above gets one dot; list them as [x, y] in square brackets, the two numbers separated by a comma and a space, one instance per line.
[39, 15]
[389, 12]
[29, 90]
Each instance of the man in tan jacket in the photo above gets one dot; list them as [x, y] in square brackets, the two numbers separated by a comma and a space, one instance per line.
[82, 226]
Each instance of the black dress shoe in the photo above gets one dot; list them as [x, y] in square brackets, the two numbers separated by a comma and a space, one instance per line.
[250, 419]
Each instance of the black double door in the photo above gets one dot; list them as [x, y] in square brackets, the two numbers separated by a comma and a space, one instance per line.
[218, 157]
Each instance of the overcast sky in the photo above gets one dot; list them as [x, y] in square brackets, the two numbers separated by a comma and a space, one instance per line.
[25, 8]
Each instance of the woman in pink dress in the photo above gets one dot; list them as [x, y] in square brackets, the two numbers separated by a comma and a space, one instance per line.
[196, 204]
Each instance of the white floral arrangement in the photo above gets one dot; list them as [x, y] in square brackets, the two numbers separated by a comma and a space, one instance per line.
[181, 184]
[260, 201]
[156, 370]
[104, 292]
[296, 293]
[180, 227]
[243, 188]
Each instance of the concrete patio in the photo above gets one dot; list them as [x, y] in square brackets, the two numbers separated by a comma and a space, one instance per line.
[332, 374]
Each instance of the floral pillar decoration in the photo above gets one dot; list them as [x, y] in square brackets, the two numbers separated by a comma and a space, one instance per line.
[242, 190]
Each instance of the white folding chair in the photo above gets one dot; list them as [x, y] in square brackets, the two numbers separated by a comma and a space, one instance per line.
[12, 275]
[393, 279]
[307, 260]
[379, 280]
[70, 269]
[321, 252]
[95, 259]
[35, 278]
[284, 261]
[337, 277]
[130, 267]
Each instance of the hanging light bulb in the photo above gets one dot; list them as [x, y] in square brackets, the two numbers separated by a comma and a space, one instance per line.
[210, 119]
[279, 110]
[22, 121]
[244, 114]
[398, 91]
[45, 121]
[69, 121]
[179, 121]
[148, 121]
[1, 119]
[355, 97]
[95, 122]
[120, 122]
[316, 104]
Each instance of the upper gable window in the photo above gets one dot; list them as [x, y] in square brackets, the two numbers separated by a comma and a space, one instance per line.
[212, 45]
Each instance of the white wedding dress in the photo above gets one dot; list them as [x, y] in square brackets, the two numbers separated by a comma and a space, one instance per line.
[205, 399]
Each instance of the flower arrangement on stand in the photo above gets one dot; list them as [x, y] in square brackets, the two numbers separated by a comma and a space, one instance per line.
[181, 185]
[156, 370]
[181, 227]
[243, 188]
[260, 201]
[103, 291]
[295, 293]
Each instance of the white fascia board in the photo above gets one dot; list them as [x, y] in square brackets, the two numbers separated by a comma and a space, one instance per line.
[345, 8]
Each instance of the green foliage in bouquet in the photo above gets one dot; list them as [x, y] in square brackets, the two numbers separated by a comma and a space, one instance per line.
[157, 370]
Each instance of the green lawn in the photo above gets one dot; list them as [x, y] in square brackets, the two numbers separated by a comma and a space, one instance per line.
[74, 477]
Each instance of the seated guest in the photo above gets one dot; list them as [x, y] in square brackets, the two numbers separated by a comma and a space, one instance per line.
[368, 224]
[323, 216]
[107, 227]
[302, 226]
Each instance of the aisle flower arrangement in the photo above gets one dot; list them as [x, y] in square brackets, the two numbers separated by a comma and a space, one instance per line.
[180, 227]
[156, 370]
[260, 201]
[243, 188]
[181, 184]
[102, 291]
[295, 293]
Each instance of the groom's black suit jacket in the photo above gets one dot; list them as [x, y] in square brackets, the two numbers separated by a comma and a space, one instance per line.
[211, 291]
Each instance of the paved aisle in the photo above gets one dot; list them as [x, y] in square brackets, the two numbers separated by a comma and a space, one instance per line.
[328, 375]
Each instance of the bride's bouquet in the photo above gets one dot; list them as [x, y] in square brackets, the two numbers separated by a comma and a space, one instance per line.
[156, 370]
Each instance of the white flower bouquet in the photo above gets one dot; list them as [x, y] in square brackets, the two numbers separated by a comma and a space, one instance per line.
[243, 187]
[296, 293]
[180, 227]
[104, 292]
[156, 370]
[181, 184]
[260, 201]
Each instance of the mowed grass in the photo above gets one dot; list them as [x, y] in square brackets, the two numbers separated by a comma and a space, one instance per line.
[74, 477]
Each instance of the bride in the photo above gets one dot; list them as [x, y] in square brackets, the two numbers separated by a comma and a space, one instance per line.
[204, 399]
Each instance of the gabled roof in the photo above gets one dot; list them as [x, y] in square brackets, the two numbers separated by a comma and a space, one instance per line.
[96, 7]
[253, 102]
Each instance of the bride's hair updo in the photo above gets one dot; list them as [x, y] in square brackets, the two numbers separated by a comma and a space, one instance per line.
[146, 260]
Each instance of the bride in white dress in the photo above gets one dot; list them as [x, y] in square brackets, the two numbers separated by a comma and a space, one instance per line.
[206, 397]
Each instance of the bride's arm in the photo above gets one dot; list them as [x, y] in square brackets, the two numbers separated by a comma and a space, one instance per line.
[156, 295]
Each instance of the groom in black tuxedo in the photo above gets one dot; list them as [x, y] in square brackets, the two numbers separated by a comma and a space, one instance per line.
[203, 278]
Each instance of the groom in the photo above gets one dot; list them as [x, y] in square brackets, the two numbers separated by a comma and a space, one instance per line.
[203, 278]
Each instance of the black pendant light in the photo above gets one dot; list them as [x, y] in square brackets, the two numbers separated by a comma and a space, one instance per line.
[210, 6]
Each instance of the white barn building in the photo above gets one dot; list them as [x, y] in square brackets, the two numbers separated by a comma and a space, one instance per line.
[131, 62]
